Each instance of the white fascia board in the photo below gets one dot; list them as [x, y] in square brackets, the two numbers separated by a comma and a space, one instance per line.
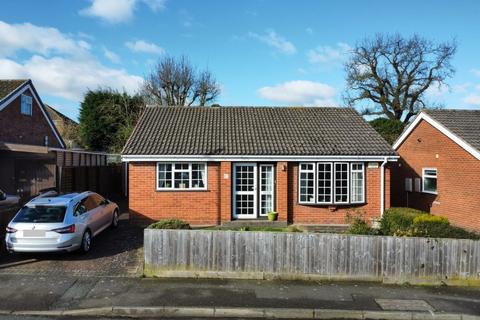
[437, 125]
[39, 103]
[251, 158]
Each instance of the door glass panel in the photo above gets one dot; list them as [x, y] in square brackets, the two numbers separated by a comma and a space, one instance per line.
[245, 193]
[266, 189]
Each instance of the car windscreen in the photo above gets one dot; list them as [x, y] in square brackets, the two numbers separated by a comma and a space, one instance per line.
[41, 214]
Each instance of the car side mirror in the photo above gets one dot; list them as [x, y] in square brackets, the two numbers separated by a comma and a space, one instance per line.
[105, 202]
[3, 196]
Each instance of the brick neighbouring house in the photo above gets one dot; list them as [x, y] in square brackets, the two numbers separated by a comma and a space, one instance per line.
[439, 167]
[32, 151]
[212, 165]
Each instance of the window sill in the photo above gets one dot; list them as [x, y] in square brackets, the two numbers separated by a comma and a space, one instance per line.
[332, 204]
[430, 192]
[181, 190]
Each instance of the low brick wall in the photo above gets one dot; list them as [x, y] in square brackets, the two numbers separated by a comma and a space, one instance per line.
[269, 255]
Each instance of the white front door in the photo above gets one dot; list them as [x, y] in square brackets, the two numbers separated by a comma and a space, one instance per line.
[245, 191]
[253, 190]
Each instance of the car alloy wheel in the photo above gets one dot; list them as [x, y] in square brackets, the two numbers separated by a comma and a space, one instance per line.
[115, 219]
[86, 241]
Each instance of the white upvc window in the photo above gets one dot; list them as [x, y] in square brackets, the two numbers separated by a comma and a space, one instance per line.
[357, 173]
[26, 105]
[429, 179]
[341, 182]
[181, 176]
[324, 182]
[331, 183]
[306, 183]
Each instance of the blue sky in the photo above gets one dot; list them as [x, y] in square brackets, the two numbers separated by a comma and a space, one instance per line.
[263, 52]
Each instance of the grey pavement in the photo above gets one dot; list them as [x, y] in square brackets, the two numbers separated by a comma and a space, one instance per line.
[30, 292]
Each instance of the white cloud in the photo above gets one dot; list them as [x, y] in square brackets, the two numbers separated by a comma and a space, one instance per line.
[272, 39]
[116, 11]
[69, 78]
[436, 90]
[112, 56]
[143, 46]
[59, 64]
[31, 38]
[300, 92]
[472, 99]
[155, 5]
[328, 54]
[475, 72]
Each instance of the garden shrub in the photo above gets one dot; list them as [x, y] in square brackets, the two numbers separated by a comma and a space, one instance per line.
[358, 224]
[427, 225]
[170, 224]
[398, 221]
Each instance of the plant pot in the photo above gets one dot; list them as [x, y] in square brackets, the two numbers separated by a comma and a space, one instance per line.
[272, 216]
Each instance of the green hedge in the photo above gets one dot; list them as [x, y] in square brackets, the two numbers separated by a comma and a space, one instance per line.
[415, 223]
[398, 220]
[170, 224]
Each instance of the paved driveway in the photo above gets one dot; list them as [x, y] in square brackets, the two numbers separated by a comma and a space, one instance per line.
[115, 252]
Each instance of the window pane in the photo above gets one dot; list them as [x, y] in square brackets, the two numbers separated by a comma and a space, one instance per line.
[181, 180]
[307, 183]
[198, 175]
[164, 175]
[430, 184]
[357, 182]
[341, 182]
[324, 183]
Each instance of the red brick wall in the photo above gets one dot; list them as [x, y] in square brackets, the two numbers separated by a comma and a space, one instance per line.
[321, 214]
[196, 207]
[458, 174]
[214, 206]
[18, 128]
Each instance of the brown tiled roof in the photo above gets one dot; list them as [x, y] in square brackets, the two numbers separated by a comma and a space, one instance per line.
[8, 86]
[463, 123]
[254, 131]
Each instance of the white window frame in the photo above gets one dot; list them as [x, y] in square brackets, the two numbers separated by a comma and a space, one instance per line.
[335, 180]
[332, 183]
[333, 191]
[314, 182]
[424, 175]
[23, 103]
[190, 188]
[363, 181]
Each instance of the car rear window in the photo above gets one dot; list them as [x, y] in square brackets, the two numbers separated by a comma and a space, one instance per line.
[41, 214]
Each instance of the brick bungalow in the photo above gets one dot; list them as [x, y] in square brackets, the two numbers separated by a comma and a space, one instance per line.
[439, 167]
[213, 165]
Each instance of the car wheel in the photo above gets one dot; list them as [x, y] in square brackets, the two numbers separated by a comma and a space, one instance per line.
[86, 242]
[115, 219]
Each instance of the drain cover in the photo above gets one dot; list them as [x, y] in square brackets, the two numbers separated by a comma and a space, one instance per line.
[404, 305]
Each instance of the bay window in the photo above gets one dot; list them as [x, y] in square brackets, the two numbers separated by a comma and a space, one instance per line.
[181, 176]
[331, 183]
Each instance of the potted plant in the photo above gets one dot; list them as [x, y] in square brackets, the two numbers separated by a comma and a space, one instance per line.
[272, 215]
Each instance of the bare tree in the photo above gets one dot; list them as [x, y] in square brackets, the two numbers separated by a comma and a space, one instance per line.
[392, 73]
[175, 82]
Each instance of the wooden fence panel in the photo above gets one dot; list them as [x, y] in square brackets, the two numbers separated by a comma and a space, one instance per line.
[307, 255]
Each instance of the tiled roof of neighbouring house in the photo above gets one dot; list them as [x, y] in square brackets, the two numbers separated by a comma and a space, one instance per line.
[463, 123]
[8, 86]
[254, 131]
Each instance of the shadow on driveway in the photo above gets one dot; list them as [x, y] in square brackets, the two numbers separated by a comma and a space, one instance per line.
[115, 252]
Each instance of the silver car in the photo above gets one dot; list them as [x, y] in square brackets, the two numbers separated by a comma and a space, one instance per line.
[61, 223]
